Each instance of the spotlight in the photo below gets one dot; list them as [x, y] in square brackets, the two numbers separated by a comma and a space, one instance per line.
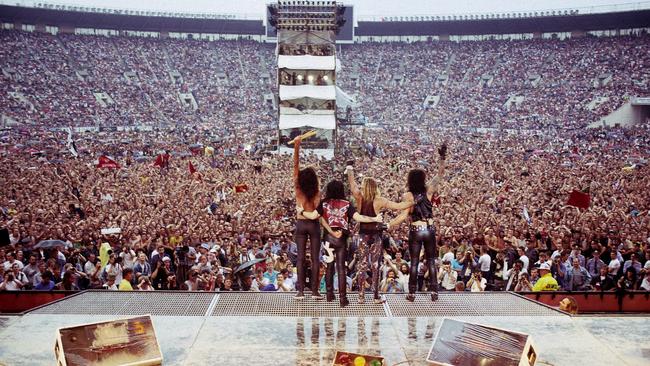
[310, 78]
[299, 77]
[326, 77]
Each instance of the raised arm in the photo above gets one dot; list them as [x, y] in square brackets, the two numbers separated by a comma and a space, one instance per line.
[356, 193]
[435, 183]
[296, 161]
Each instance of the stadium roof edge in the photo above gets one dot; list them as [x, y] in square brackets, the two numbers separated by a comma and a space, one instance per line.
[414, 26]
[465, 25]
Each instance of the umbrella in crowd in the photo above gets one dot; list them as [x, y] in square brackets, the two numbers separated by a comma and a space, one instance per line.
[249, 264]
[48, 244]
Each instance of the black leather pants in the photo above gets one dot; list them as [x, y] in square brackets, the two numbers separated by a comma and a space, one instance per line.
[339, 246]
[308, 229]
[417, 238]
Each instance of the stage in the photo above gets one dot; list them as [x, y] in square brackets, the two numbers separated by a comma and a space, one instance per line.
[273, 329]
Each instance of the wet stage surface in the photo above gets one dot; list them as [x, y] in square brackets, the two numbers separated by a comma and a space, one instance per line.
[313, 340]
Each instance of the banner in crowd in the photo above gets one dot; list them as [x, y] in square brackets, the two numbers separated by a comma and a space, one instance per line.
[108, 163]
[579, 199]
[162, 160]
[241, 188]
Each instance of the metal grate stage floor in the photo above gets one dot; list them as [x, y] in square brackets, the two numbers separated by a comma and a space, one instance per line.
[273, 329]
[282, 304]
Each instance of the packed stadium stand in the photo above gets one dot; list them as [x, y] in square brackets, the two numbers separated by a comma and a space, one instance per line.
[140, 150]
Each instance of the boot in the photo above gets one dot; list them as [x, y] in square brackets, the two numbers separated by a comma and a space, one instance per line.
[344, 301]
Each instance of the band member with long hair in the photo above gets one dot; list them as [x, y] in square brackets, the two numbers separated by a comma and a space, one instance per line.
[422, 232]
[336, 215]
[307, 199]
[371, 202]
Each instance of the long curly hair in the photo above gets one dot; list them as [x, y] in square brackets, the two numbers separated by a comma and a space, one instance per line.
[416, 181]
[308, 182]
[334, 190]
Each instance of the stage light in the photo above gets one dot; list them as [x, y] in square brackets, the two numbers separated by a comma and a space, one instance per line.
[310, 78]
[299, 77]
[326, 77]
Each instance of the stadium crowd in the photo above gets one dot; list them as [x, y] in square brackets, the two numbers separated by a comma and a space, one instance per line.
[503, 211]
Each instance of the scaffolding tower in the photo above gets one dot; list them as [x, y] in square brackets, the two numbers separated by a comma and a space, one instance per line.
[307, 64]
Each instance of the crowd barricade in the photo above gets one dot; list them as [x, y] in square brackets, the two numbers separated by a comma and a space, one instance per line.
[590, 302]
[12, 302]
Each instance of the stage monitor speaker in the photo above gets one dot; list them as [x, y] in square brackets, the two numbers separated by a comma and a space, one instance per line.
[459, 343]
[129, 341]
[4, 237]
[356, 359]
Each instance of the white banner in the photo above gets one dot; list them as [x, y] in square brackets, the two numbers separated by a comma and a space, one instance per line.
[325, 92]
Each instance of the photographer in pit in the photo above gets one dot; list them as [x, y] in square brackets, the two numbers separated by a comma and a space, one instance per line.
[477, 283]
[185, 259]
[468, 264]
[447, 277]
[390, 284]
[524, 283]
[163, 277]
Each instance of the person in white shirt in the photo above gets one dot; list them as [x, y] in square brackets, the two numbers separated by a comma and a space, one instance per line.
[10, 283]
[128, 257]
[11, 260]
[477, 283]
[449, 254]
[288, 279]
[89, 266]
[614, 264]
[523, 258]
[282, 285]
[447, 277]
[484, 263]
[645, 283]
[110, 283]
[513, 275]
[19, 275]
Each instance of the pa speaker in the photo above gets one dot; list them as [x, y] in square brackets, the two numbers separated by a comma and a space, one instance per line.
[130, 341]
[465, 344]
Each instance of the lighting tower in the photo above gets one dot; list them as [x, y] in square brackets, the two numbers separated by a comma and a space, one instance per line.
[306, 53]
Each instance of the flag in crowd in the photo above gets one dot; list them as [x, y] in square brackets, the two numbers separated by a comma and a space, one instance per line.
[108, 163]
[579, 199]
[162, 161]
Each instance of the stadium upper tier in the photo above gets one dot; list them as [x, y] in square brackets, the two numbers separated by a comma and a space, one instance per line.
[114, 81]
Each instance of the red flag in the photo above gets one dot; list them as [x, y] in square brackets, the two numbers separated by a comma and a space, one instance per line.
[162, 160]
[240, 188]
[579, 199]
[108, 163]
[192, 168]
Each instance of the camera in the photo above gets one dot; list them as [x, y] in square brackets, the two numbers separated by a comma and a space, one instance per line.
[182, 251]
[382, 227]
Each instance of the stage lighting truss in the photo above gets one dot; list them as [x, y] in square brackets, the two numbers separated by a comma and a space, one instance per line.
[307, 15]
